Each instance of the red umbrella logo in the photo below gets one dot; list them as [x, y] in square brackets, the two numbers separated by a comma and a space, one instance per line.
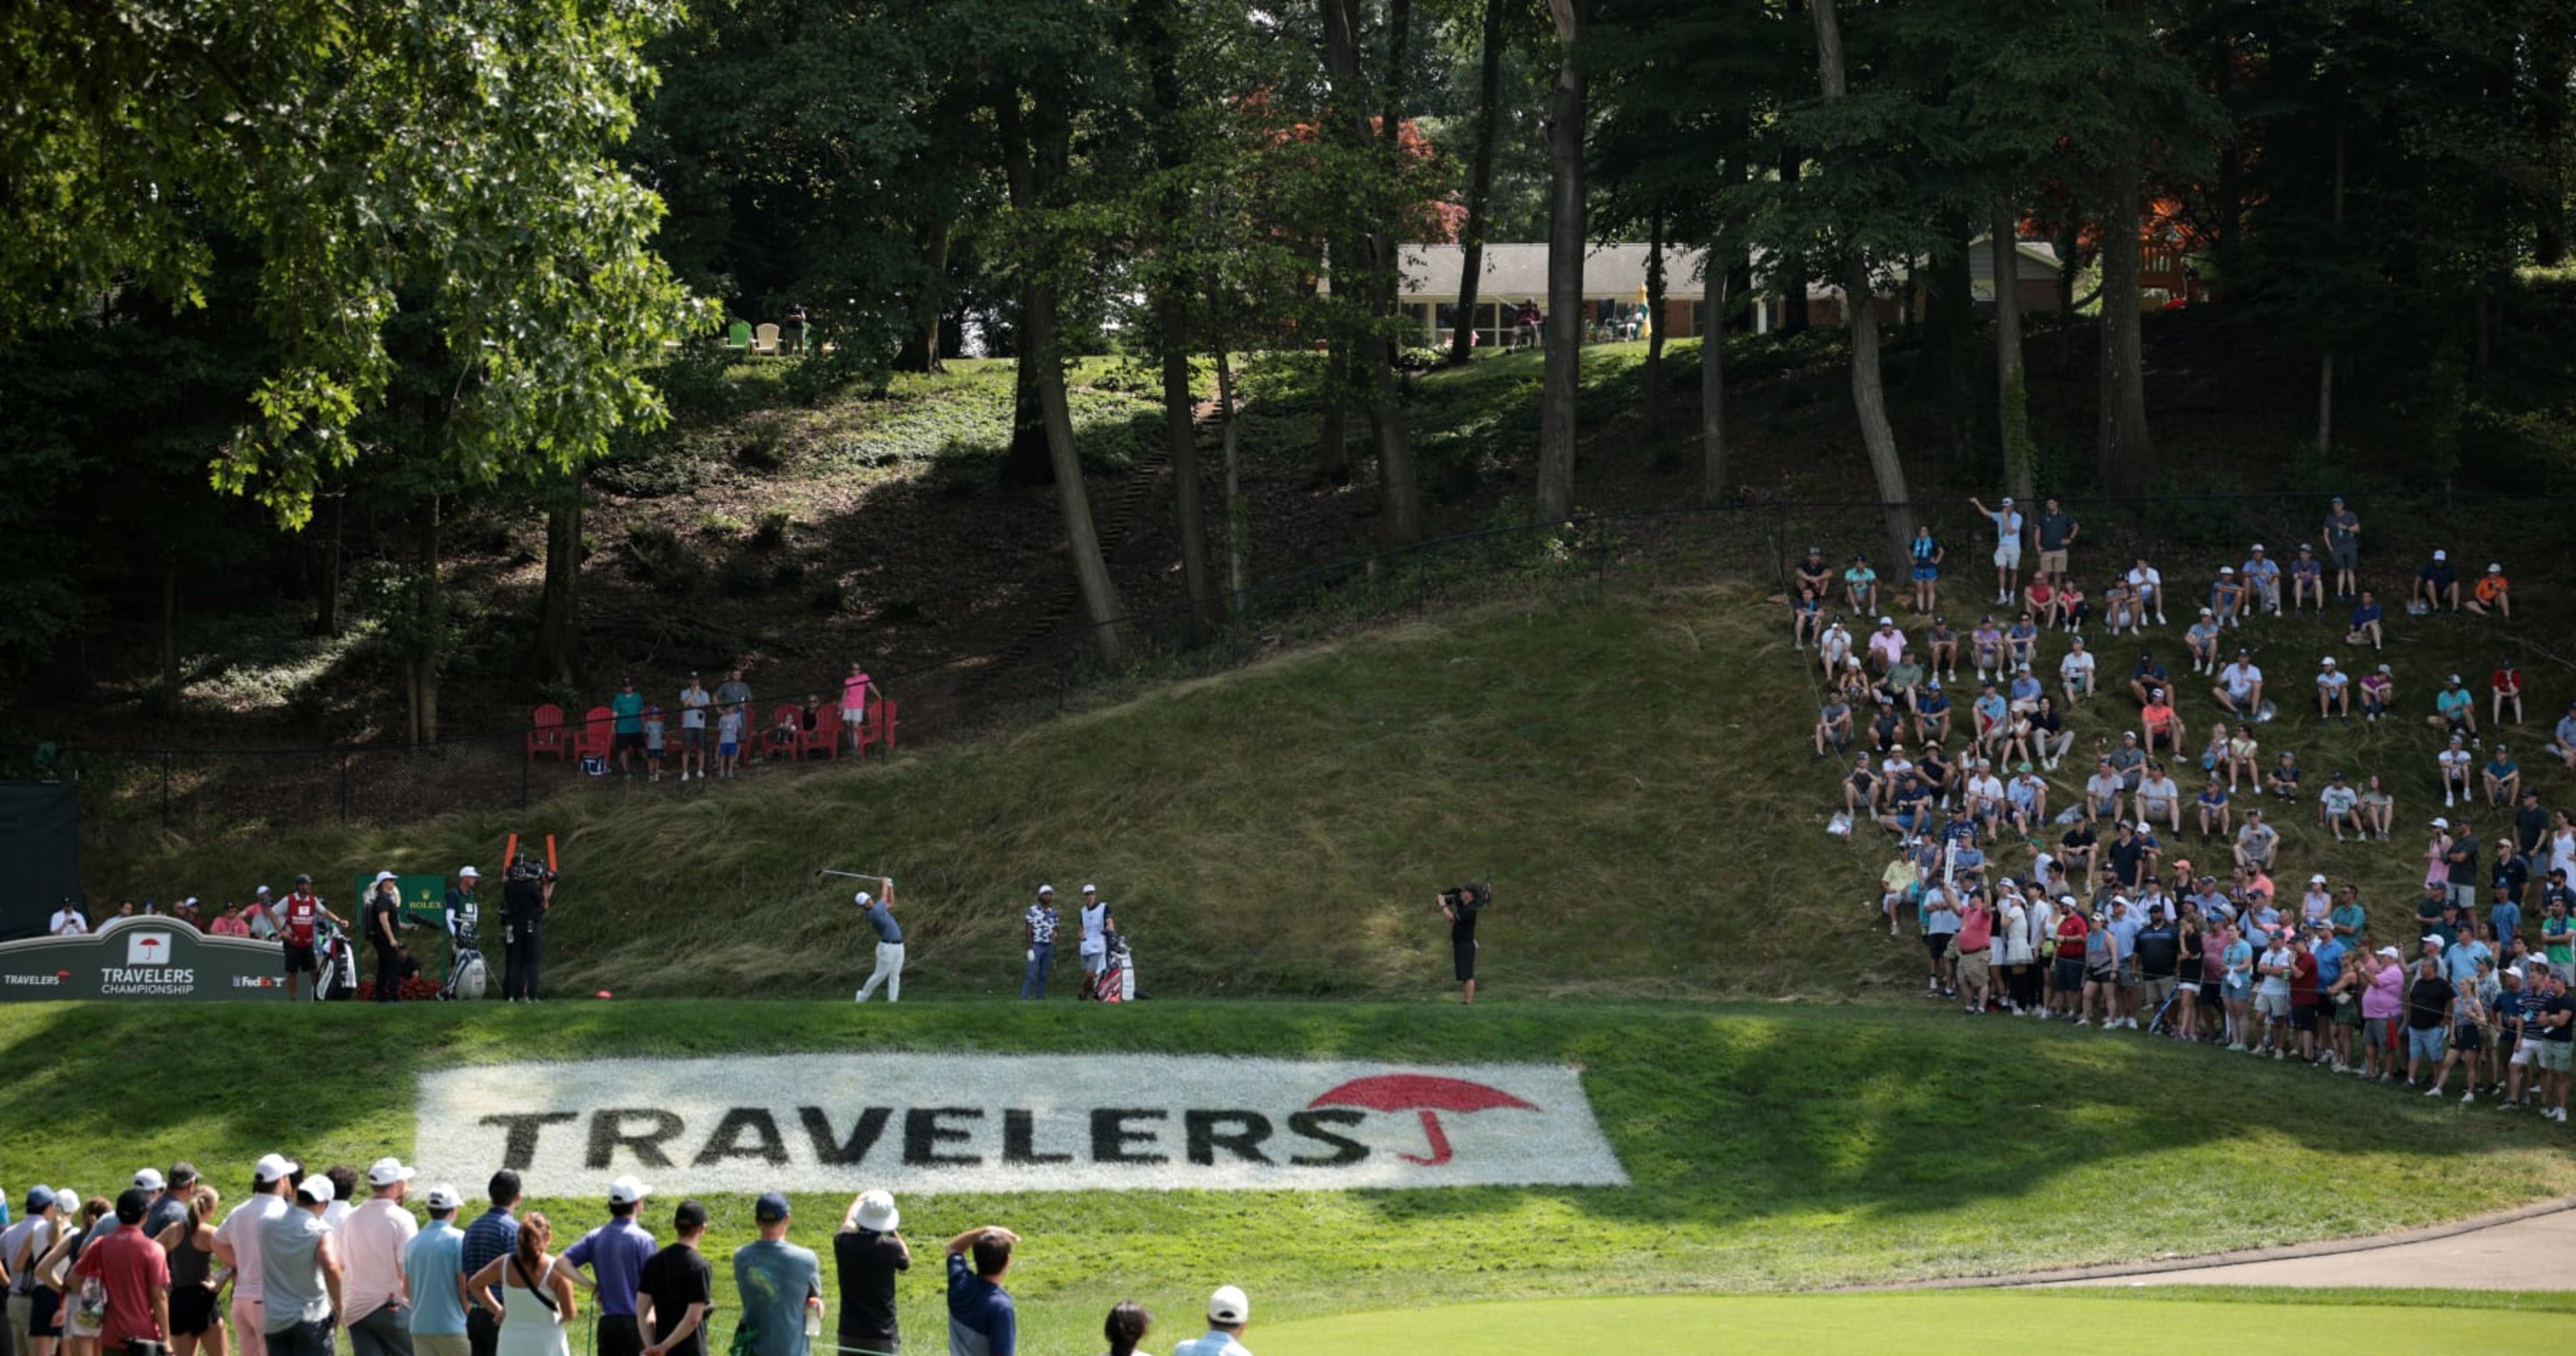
[149, 944]
[1424, 1094]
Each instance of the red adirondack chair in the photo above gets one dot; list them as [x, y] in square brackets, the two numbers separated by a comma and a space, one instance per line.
[825, 737]
[880, 727]
[786, 730]
[597, 734]
[546, 732]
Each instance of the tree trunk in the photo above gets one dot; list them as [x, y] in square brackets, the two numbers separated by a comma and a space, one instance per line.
[559, 612]
[169, 699]
[2326, 361]
[922, 354]
[1712, 391]
[1041, 348]
[1238, 514]
[1652, 379]
[2012, 395]
[429, 630]
[1480, 181]
[1027, 462]
[1399, 485]
[2125, 457]
[1792, 275]
[2069, 241]
[1945, 371]
[1333, 430]
[1563, 371]
[326, 596]
[1860, 311]
[1180, 429]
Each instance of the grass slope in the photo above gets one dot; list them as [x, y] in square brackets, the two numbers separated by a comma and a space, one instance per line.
[1631, 775]
[1768, 1146]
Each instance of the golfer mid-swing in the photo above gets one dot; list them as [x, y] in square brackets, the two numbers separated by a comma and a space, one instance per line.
[889, 971]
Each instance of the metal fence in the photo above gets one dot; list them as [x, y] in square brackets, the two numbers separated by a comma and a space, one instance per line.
[1591, 556]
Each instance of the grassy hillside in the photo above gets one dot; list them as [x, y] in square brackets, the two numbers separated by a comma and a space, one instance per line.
[1767, 1146]
[1632, 777]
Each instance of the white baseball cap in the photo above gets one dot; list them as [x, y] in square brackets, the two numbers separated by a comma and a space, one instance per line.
[468, 872]
[149, 1179]
[2441, 555]
[382, 877]
[443, 1196]
[1887, 621]
[271, 1167]
[2317, 879]
[1229, 1306]
[1091, 889]
[1046, 889]
[861, 899]
[627, 1191]
[316, 1188]
[877, 1213]
[386, 1172]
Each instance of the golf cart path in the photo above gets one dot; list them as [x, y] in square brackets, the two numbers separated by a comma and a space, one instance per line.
[2532, 1247]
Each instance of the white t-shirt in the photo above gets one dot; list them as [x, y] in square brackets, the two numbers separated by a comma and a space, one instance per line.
[2078, 664]
[1986, 788]
[68, 923]
[2333, 679]
[2147, 578]
[2240, 678]
[2454, 762]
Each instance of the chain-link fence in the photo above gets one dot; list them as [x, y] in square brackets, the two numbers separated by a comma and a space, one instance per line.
[2185, 536]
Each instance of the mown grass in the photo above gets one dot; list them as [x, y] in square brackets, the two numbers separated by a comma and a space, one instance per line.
[1767, 1146]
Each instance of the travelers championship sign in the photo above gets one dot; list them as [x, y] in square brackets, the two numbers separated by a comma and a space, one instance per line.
[970, 1122]
[140, 957]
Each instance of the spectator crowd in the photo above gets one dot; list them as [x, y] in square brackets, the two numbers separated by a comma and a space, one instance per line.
[337, 1261]
[2083, 897]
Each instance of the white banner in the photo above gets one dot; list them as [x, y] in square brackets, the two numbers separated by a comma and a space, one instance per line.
[961, 1122]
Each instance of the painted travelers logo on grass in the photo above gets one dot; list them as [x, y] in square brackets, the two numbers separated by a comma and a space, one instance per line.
[964, 1122]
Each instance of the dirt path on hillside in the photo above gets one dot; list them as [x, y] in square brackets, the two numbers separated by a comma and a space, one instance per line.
[2529, 1249]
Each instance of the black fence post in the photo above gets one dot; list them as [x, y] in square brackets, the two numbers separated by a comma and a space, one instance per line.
[1600, 559]
[524, 764]
[1063, 672]
[1421, 579]
[165, 788]
[344, 787]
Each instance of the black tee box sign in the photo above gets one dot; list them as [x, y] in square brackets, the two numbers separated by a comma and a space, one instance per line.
[141, 958]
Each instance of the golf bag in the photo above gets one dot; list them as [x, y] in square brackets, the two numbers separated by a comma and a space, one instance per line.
[335, 962]
[1116, 982]
[467, 976]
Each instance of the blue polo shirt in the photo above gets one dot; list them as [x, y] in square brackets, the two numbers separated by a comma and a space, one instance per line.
[615, 1252]
[981, 1321]
[492, 1234]
[2329, 958]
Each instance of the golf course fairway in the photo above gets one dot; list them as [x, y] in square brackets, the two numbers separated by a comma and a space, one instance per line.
[1917, 1323]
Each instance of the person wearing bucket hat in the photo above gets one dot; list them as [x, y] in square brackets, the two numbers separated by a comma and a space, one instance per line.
[868, 1253]
[615, 1254]
[1230, 1311]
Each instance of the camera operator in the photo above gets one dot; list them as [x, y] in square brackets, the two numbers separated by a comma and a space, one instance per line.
[525, 897]
[1460, 906]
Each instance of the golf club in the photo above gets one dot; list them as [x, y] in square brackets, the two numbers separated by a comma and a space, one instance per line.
[886, 881]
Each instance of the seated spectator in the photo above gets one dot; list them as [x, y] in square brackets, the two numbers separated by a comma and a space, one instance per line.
[1860, 586]
[2025, 691]
[2043, 734]
[2021, 642]
[2334, 692]
[2240, 686]
[1887, 728]
[2262, 578]
[1834, 646]
[2129, 760]
[2072, 609]
[2283, 780]
[1806, 618]
[1988, 642]
[2454, 763]
[2227, 597]
[2160, 724]
[1941, 649]
[2241, 748]
[1861, 792]
[2026, 800]
[2160, 799]
[1990, 712]
[2202, 642]
[1834, 725]
[2365, 628]
[2103, 790]
[2338, 808]
[1909, 806]
[2147, 677]
[2213, 755]
[2377, 806]
[2502, 777]
[2307, 580]
[1931, 709]
[2149, 585]
[2493, 594]
[2505, 684]
[1886, 645]
[2256, 842]
[2562, 741]
[2039, 599]
[1852, 681]
[1982, 794]
[1938, 775]
[1901, 678]
[2436, 586]
[1814, 574]
[2454, 709]
[2120, 607]
[2080, 850]
[2075, 671]
[2211, 804]
[2378, 692]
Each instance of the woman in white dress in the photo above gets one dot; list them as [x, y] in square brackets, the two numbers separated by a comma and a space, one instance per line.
[536, 1304]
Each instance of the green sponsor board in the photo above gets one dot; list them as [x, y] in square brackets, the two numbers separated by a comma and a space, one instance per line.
[145, 957]
[424, 900]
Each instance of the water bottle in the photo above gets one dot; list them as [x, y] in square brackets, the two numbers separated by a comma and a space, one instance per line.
[813, 1316]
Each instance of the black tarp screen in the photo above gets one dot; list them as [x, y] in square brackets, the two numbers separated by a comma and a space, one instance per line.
[39, 854]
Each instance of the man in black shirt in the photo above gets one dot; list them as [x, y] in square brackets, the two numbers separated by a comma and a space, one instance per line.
[1460, 907]
[2428, 1015]
[524, 900]
[384, 916]
[2159, 952]
[2530, 826]
[868, 1253]
[676, 1290]
[2555, 1020]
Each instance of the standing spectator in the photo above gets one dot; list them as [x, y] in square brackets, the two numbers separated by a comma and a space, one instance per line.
[434, 1270]
[2334, 692]
[1037, 928]
[2262, 577]
[2428, 1013]
[2159, 958]
[734, 694]
[196, 1322]
[2367, 625]
[373, 1239]
[981, 1318]
[2307, 581]
[2382, 1003]
[1975, 944]
[2494, 593]
[493, 1235]
[238, 1246]
[694, 701]
[626, 711]
[1229, 1313]
[732, 727]
[135, 1273]
[1461, 912]
[1097, 924]
[2461, 862]
[854, 690]
[176, 1193]
[1939, 918]
[889, 971]
[2056, 530]
[2555, 1019]
[383, 921]
[533, 1295]
[615, 1252]
[24, 1241]
[869, 1253]
[300, 1271]
[677, 1289]
[229, 923]
[2272, 995]
[298, 917]
[2531, 831]
[1924, 556]
[779, 1283]
[2343, 545]
[464, 917]
[2505, 686]
[2436, 586]
[1125, 1328]
[525, 897]
[656, 741]
[2008, 531]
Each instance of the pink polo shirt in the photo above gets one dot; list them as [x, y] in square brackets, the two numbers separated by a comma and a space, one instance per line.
[372, 1240]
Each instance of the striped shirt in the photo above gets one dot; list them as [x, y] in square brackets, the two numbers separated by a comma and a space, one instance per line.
[492, 1234]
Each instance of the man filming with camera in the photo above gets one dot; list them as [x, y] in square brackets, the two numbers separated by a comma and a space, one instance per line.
[1460, 906]
[525, 897]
